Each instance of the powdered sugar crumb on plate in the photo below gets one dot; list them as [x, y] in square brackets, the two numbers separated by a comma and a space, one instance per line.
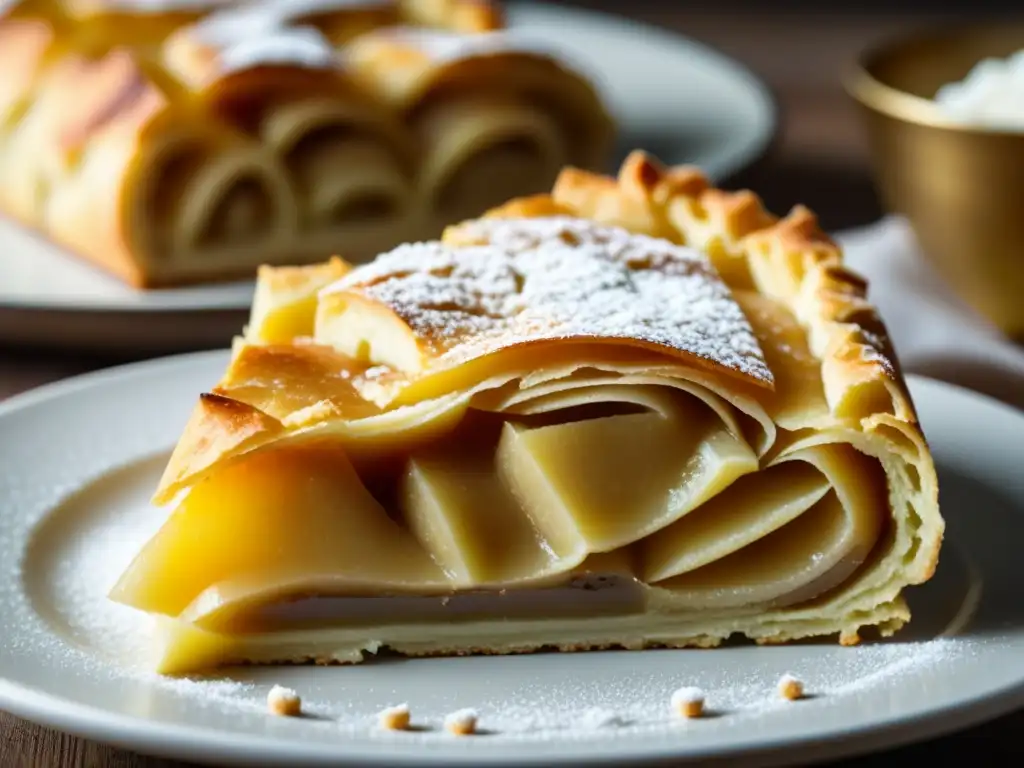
[594, 719]
[514, 281]
[461, 722]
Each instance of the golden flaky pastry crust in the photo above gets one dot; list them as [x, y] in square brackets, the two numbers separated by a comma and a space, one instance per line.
[821, 372]
[188, 142]
[791, 258]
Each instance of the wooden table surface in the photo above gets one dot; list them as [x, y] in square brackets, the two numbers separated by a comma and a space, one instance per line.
[819, 159]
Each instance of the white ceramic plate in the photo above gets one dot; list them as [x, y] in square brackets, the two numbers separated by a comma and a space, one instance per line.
[673, 96]
[79, 459]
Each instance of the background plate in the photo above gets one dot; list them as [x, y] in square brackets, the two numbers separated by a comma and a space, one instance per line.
[81, 457]
[673, 96]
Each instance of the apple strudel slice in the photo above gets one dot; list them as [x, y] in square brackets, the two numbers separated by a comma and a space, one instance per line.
[635, 412]
[192, 141]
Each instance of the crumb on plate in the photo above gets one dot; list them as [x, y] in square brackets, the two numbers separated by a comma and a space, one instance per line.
[790, 687]
[395, 718]
[688, 702]
[284, 702]
[461, 722]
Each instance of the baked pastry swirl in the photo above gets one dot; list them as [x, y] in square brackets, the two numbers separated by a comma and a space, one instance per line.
[635, 412]
[193, 140]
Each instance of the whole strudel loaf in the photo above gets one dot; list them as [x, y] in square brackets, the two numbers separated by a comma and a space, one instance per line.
[192, 140]
[635, 412]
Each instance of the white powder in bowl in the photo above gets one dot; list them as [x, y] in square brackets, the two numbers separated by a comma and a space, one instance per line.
[991, 96]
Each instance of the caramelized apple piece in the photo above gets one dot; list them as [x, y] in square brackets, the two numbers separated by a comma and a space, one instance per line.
[473, 526]
[751, 508]
[813, 553]
[610, 481]
[286, 518]
[284, 305]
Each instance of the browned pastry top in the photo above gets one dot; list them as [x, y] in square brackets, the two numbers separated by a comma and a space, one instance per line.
[525, 280]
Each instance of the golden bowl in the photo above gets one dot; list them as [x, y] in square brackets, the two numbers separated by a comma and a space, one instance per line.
[961, 188]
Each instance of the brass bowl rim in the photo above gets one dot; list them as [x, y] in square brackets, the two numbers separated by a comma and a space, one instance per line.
[902, 105]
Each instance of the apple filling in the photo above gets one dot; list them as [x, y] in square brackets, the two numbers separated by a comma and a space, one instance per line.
[578, 512]
[541, 432]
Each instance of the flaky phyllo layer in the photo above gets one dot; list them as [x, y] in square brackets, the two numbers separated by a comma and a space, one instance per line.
[190, 140]
[636, 412]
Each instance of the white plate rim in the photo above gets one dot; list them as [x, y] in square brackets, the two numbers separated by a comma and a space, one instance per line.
[186, 742]
[719, 168]
[177, 742]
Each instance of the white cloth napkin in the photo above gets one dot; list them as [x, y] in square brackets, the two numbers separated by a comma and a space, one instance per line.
[934, 333]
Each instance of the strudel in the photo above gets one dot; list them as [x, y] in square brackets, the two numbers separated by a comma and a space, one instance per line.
[636, 412]
[193, 140]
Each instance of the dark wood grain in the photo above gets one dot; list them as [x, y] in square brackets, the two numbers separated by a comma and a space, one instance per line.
[819, 159]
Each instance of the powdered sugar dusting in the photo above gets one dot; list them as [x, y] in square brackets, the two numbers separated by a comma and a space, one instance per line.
[397, 709]
[462, 717]
[638, 702]
[84, 575]
[295, 46]
[462, 722]
[790, 686]
[598, 718]
[238, 23]
[559, 278]
[235, 24]
[687, 695]
[284, 701]
[446, 46]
